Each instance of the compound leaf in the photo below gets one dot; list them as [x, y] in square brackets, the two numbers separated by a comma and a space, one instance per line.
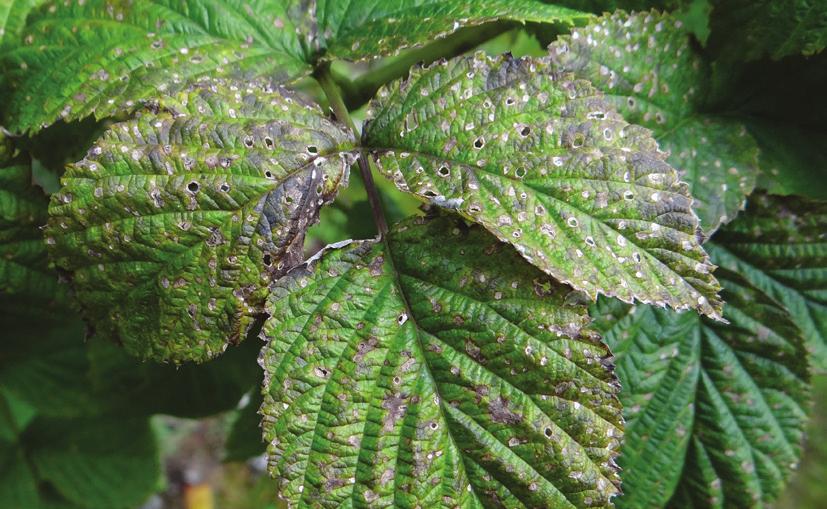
[646, 66]
[715, 411]
[74, 59]
[437, 368]
[359, 29]
[176, 221]
[780, 246]
[543, 162]
[750, 29]
[28, 287]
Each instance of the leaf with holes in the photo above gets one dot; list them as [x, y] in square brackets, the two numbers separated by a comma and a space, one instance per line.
[175, 222]
[751, 29]
[780, 246]
[543, 162]
[646, 66]
[28, 287]
[437, 368]
[75, 59]
[715, 412]
[359, 29]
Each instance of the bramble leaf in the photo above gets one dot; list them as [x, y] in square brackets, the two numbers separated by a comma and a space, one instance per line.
[28, 287]
[750, 29]
[646, 66]
[437, 368]
[715, 412]
[780, 246]
[543, 162]
[359, 29]
[75, 59]
[175, 222]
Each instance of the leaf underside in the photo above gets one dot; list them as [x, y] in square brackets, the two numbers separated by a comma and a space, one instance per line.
[174, 224]
[780, 246]
[715, 413]
[647, 68]
[543, 162]
[437, 369]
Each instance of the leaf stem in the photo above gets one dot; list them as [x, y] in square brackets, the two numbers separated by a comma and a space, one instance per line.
[337, 104]
[363, 88]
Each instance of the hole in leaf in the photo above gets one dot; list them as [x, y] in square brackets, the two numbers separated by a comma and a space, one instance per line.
[268, 260]
[193, 187]
[312, 149]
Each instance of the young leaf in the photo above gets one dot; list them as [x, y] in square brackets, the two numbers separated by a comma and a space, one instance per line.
[647, 67]
[74, 59]
[715, 412]
[358, 29]
[437, 368]
[175, 222]
[780, 246]
[543, 162]
[750, 29]
[28, 287]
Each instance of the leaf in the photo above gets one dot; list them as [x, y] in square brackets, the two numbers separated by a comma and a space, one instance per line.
[17, 483]
[779, 246]
[543, 162]
[715, 412]
[105, 463]
[646, 66]
[658, 362]
[175, 222]
[126, 386]
[13, 18]
[358, 29]
[745, 30]
[435, 369]
[28, 287]
[791, 160]
[97, 57]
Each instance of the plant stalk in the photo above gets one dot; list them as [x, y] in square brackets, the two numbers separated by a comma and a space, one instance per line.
[337, 104]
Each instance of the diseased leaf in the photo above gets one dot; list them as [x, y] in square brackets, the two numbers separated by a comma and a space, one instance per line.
[75, 59]
[28, 287]
[750, 29]
[175, 222]
[715, 411]
[437, 368]
[543, 162]
[780, 246]
[13, 18]
[648, 69]
[362, 29]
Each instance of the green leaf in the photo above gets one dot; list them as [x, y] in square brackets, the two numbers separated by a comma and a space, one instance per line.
[176, 222]
[13, 18]
[105, 463]
[780, 246]
[715, 412]
[437, 368]
[359, 29]
[244, 440]
[792, 160]
[750, 29]
[658, 361]
[28, 287]
[76, 59]
[648, 69]
[125, 385]
[18, 488]
[543, 162]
